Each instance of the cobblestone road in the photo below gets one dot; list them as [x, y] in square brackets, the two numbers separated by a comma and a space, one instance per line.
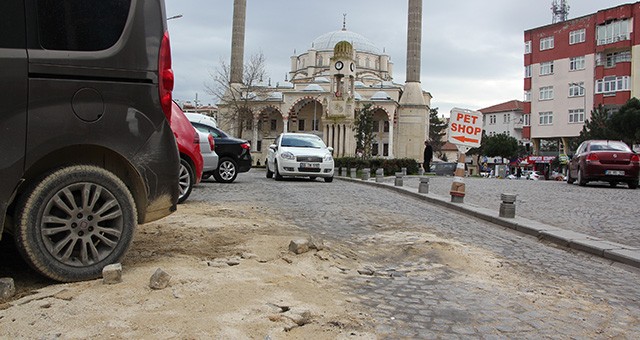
[441, 274]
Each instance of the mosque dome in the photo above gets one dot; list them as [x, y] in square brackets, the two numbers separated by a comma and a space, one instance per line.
[380, 95]
[328, 41]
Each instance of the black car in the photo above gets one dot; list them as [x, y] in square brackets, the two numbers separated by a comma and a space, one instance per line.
[87, 152]
[234, 153]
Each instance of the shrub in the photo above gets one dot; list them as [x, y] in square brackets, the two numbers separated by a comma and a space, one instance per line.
[390, 166]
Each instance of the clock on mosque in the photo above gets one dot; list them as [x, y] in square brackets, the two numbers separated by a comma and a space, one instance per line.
[339, 65]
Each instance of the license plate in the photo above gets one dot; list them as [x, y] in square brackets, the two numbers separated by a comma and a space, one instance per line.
[614, 172]
[310, 165]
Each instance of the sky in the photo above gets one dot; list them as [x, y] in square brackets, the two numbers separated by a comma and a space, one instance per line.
[472, 52]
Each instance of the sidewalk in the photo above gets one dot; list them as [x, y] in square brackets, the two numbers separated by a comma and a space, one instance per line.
[593, 245]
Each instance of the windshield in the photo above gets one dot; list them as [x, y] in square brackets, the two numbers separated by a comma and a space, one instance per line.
[302, 142]
[609, 146]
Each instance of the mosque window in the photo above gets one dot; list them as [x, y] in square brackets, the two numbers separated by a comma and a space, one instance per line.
[376, 126]
[301, 125]
[367, 63]
[319, 61]
[385, 149]
[386, 126]
[274, 125]
[377, 64]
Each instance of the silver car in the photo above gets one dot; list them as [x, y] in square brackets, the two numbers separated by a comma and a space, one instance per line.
[209, 156]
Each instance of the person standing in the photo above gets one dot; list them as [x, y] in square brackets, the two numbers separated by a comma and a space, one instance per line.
[428, 155]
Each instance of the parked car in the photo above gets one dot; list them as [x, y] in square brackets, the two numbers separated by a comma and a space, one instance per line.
[300, 154]
[444, 168]
[210, 157]
[191, 162]
[234, 153]
[87, 149]
[534, 175]
[604, 160]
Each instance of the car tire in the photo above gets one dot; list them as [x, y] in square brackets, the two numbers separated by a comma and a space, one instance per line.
[186, 180]
[581, 180]
[328, 179]
[569, 179]
[227, 171]
[74, 222]
[269, 172]
[276, 174]
[633, 184]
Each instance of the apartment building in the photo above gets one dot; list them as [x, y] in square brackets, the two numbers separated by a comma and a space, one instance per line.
[575, 65]
[507, 118]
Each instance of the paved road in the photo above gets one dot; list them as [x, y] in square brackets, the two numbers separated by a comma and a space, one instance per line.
[441, 274]
[612, 214]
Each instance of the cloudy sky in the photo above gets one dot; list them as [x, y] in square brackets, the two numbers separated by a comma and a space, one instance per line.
[472, 52]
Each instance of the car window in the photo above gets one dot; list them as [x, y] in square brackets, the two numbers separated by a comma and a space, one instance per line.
[203, 128]
[609, 146]
[81, 25]
[302, 141]
[12, 24]
[217, 133]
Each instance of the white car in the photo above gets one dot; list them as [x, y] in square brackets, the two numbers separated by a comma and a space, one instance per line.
[534, 175]
[300, 154]
[202, 119]
[209, 156]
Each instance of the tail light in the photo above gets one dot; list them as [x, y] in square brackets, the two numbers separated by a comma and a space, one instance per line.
[635, 159]
[592, 157]
[165, 76]
[246, 146]
[212, 144]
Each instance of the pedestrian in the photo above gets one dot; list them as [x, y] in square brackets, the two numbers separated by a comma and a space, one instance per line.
[428, 155]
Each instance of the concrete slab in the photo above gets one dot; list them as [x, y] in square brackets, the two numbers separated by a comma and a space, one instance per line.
[595, 246]
[563, 237]
[627, 256]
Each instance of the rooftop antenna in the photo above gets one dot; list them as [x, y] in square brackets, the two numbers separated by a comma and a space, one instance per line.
[560, 10]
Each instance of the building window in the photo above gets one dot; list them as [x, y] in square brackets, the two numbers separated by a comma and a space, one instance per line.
[385, 149]
[274, 125]
[374, 149]
[259, 146]
[546, 118]
[613, 32]
[527, 47]
[546, 43]
[506, 118]
[612, 84]
[367, 63]
[376, 126]
[526, 119]
[576, 37]
[546, 93]
[386, 126]
[527, 71]
[611, 59]
[576, 63]
[492, 119]
[301, 125]
[576, 116]
[527, 96]
[546, 68]
[576, 89]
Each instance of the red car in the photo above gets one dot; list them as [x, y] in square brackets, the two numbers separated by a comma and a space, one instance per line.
[191, 162]
[604, 160]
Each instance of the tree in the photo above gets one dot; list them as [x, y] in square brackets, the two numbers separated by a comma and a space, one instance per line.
[235, 99]
[627, 122]
[437, 129]
[363, 127]
[501, 145]
[598, 127]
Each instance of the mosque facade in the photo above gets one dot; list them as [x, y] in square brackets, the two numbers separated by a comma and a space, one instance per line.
[325, 88]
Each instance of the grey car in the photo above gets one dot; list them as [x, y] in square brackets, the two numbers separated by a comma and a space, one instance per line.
[86, 149]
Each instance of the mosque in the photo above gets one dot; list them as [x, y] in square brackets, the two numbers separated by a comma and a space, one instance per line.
[330, 83]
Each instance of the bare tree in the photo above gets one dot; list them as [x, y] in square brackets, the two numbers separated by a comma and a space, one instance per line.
[235, 100]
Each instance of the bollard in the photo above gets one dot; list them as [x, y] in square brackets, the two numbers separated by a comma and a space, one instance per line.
[423, 188]
[379, 175]
[398, 181]
[508, 205]
[353, 172]
[421, 172]
[343, 171]
[404, 171]
[366, 172]
[336, 171]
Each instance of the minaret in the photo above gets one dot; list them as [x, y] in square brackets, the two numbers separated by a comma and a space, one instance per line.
[413, 114]
[237, 40]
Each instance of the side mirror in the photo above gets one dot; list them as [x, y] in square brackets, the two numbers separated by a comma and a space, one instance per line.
[273, 147]
[330, 149]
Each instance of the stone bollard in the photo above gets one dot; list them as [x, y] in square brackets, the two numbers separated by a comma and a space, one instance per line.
[423, 188]
[353, 172]
[404, 171]
[421, 172]
[398, 181]
[379, 175]
[336, 171]
[366, 173]
[508, 205]
[343, 171]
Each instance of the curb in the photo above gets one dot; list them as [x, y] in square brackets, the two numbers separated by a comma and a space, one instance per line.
[582, 242]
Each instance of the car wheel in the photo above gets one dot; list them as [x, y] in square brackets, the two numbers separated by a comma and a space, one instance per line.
[185, 180]
[276, 174]
[633, 184]
[581, 180]
[328, 179]
[74, 222]
[269, 172]
[227, 171]
[569, 179]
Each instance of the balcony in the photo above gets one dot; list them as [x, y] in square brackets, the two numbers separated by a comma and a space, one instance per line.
[518, 126]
